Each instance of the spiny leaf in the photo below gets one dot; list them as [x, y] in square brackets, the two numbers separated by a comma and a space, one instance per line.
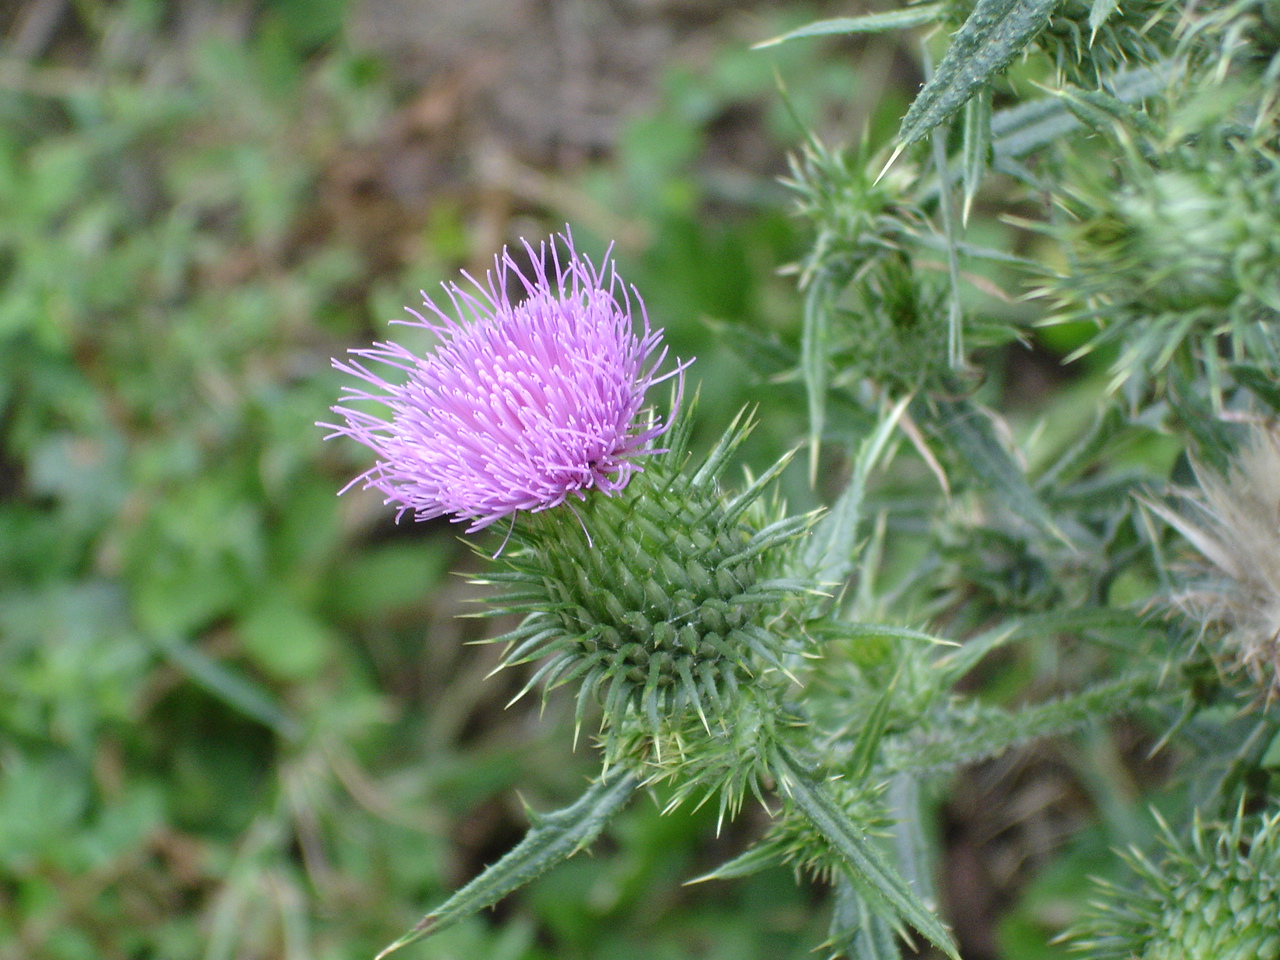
[855, 931]
[959, 661]
[1102, 112]
[971, 433]
[718, 458]
[814, 348]
[870, 23]
[552, 838]
[995, 33]
[880, 885]
[754, 859]
[850, 630]
[976, 148]
[1027, 126]
[831, 550]
[742, 502]
[963, 733]
[866, 747]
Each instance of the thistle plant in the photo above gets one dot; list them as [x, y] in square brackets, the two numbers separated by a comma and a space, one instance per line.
[681, 609]
[817, 663]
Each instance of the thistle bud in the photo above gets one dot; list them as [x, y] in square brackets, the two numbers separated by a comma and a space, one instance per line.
[662, 600]
[1214, 898]
[1173, 252]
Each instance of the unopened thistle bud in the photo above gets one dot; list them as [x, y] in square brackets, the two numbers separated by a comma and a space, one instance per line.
[1214, 898]
[1173, 252]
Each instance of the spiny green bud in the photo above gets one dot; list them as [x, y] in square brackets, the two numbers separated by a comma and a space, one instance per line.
[1177, 235]
[1215, 898]
[662, 600]
[1173, 251]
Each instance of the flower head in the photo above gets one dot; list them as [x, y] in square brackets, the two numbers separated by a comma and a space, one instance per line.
[521, 405]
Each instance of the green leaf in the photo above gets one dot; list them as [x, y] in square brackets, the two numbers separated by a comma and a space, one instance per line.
[963, 733]
[230, 687]
[870, 23]
[956, 663]
[731, 440]
[976, 149]
[1102, 112]
[552, 839]
[866, 747]
[995, 33]
[884, 891]
[971, 432]
[1104, 433]
[1027, 126]
[832, 548]
[752, 860]
[814, 349]
[1258, 382]
[856, 931]
[849, 630]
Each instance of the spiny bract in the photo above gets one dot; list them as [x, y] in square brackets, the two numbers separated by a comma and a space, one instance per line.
[661, 600]
[1216, 898]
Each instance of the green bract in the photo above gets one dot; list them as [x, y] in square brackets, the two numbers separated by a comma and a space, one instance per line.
[1215, 898]
[661, 600]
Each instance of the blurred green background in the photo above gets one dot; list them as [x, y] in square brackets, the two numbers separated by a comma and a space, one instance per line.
[238, 718]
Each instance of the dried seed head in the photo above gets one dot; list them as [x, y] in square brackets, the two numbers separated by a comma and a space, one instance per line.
[1237, 529]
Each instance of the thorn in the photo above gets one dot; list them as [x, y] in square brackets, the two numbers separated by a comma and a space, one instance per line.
[897, 152]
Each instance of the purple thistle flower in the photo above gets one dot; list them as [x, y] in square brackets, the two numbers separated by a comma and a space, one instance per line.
[519, 406]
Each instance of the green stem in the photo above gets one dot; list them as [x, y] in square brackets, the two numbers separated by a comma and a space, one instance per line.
[987, 731]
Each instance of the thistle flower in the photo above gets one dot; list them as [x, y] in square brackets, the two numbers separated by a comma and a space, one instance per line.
[521, 406]
[1215, 898]
[1239, 534]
